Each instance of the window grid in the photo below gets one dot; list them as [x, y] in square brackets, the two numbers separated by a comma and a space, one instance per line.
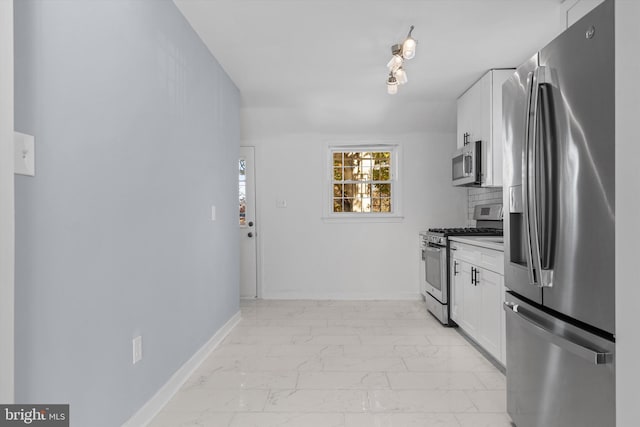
[362, 182]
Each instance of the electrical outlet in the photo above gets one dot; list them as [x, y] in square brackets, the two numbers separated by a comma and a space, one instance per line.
[281, 203]
[137, 349]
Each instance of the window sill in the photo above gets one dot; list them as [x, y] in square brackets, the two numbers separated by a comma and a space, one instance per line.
[363, 218]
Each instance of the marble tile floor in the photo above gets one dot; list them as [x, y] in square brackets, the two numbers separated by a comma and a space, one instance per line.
[340, 364]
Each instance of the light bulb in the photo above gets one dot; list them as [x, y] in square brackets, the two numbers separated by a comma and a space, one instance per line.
[392, 85]
[394, 63]
[400, 75]
[409, 48]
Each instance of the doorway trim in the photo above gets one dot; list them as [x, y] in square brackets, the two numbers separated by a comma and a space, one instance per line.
[7, 207]
[249, 152]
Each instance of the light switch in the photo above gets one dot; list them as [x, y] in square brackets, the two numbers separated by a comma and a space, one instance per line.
[24, 154]
[137, 349]
[213, 213]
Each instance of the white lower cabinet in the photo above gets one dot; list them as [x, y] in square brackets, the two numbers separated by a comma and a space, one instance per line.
[491, 312]
[477, 289]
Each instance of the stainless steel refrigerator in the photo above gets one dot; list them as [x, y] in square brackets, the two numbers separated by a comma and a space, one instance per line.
[558, 127]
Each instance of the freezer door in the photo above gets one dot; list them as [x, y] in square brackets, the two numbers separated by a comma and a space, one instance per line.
[575, 170]
[557, 375]
[516, 97]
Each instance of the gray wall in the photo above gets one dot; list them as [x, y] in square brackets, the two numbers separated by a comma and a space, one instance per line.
[137, 135]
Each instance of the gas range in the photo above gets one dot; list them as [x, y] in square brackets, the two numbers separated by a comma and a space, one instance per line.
[435, 282]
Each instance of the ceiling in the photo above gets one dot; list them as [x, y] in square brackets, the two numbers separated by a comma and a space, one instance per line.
[320, 65]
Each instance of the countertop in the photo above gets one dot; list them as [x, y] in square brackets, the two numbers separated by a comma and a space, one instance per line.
[489, 242]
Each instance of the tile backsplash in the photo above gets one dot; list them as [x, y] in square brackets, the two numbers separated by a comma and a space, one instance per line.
[481, 196]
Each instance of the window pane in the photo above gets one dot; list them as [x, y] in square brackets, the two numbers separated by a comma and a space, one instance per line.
[364, 204]
[242, 191]
[337, 190]
[381, 190]
[366, 166]
[385, 205]
[364, 190]
[381, 173]
[337, 159]
[350, 159]
[349, 190]
[350, 173]
[337, 174]
[383, 158]
[337, 205]
[347, 205]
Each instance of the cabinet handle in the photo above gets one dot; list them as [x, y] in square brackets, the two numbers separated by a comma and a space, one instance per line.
[473, 276]
[455, 268]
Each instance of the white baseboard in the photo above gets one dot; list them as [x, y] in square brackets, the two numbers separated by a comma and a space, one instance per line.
[365, 296]
[154, 405]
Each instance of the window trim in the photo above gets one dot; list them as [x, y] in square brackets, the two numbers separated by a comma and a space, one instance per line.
[396, 172]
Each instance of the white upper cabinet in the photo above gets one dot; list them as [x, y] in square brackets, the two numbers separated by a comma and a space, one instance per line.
[480, 119]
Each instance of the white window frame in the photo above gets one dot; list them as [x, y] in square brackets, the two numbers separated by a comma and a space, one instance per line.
[396, 183]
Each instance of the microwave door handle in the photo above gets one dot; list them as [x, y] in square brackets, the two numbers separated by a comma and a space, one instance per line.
[526, 165]
[478, 161]
[467, 162]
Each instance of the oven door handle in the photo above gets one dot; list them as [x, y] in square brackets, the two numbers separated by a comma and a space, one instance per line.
[433, 249]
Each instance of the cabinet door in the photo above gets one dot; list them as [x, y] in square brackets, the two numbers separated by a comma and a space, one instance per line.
[465, 116]
[461, 121]
[490, 316]
[471, 300]
[495, 144]
[475, 111]
[469, 115]
[456, 290]
[483, 126]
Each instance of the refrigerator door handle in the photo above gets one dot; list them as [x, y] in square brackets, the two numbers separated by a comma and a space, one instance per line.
[545, 171]
[532, 223]
[526, 164]
[593, 356]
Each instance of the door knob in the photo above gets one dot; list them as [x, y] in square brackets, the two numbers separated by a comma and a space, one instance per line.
[250, 223]
[250, 234]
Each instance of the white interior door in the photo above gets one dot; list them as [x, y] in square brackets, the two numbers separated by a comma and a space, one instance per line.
[247, 222]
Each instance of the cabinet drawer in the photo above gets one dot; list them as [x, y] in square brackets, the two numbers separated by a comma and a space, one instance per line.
[463, 252]
[492, 260]
[489, 259]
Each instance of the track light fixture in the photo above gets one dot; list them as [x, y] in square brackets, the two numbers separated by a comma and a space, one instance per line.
[400, 52]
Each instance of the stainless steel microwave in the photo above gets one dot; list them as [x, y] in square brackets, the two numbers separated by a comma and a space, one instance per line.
[466, 165]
